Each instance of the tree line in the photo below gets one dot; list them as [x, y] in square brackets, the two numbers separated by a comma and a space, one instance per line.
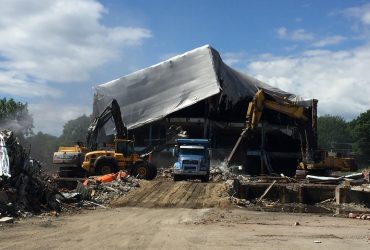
[334, 133]
[15, 116]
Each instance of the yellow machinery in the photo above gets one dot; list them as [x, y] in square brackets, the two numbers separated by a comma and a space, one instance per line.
[122, 157]
[329, 161]
[94, 161]
[311, 159]
[69, 160]
[254, 113]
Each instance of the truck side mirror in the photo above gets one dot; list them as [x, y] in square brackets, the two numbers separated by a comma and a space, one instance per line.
[175, 151]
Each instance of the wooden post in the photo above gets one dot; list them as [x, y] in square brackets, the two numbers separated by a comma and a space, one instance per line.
[266, 191]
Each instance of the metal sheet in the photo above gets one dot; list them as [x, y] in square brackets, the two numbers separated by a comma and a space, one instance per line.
[152, 93]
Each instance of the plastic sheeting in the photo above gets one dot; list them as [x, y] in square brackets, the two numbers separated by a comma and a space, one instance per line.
[155, 92]
[4, 158]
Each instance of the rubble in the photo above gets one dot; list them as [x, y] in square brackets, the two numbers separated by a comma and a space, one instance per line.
[165, 172]
[98, 191]
[362, 216]
[24, 189]
[6, 220]
[4, 159]
[105, 192]
[221, 172]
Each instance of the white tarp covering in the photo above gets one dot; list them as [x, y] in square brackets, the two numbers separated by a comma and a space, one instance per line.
[4, 158]
[152, 93]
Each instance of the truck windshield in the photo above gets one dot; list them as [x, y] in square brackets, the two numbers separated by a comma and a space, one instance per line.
[191, 151]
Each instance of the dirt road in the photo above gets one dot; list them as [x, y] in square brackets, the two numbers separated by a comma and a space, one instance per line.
[184, 215]
[166, 193]
[180, 228]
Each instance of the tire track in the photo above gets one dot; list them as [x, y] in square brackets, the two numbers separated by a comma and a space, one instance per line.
[166, 194]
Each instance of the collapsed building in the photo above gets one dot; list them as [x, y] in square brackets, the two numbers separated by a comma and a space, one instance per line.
[209, 99]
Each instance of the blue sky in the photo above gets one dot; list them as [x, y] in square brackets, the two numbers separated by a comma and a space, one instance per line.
[52, 52]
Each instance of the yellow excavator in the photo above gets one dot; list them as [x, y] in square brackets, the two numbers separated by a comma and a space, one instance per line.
[312, 159]
[69, 160]
[94, 161]
[122, 156]
[329, 160]
[254, 114]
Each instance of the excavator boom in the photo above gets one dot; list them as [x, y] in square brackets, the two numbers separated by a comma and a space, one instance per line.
[254, 114]
[111, 111]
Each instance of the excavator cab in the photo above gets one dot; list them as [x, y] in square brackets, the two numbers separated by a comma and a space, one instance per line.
[125, 147]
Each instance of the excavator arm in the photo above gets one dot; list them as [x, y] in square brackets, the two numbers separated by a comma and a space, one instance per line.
[254, 114]
[172, 134]
[111, 111]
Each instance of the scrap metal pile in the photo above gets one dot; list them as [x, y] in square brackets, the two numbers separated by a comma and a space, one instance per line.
[221, 172]
[23, 188]
[99, 190]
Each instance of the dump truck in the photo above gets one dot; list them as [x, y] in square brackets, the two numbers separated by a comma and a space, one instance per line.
[193, 160]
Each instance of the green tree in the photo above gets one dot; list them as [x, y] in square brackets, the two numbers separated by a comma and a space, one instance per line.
[43, 145]
[331, 130]
[42, 148]
[14, 116]
[75, 130]
[360, 128]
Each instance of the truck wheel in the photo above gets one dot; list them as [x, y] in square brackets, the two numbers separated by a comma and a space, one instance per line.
[204, 178]
[152, 172]
[141, 171]
[106, 167]
[177, 177]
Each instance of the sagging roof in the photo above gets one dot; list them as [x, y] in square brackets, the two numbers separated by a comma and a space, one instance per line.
[152, 93]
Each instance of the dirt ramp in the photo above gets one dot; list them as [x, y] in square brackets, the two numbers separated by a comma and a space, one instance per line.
[159, 193]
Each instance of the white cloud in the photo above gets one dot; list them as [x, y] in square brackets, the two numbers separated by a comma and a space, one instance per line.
[232, 58]
[294, 35]
[18, 85]
[340, 80]
[49, 117]
[281, 32]
[57, 41]
[360, 13]
[331, 40]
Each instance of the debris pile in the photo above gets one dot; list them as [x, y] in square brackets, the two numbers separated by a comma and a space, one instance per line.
[165, 172]
[362, 216]
[104, 193]
[221, 172]
[23, 188]
[104, 189]
[98, 191]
